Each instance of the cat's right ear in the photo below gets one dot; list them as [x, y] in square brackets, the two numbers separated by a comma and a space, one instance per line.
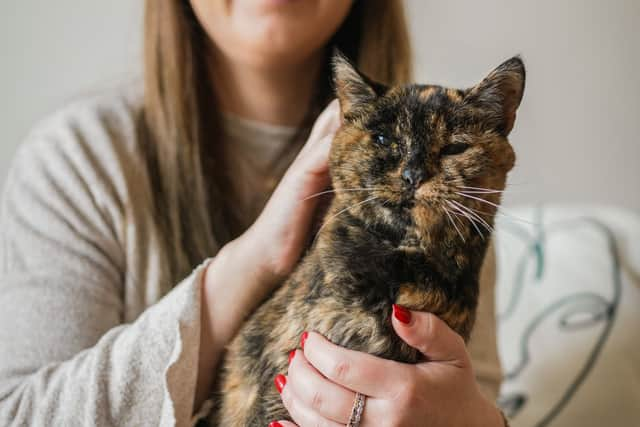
[353, 89]
[498, 96]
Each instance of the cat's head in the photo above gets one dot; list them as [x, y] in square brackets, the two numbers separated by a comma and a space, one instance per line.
[421, 152]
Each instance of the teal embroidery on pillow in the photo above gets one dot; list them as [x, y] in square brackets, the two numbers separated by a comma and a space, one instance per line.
[576, 311]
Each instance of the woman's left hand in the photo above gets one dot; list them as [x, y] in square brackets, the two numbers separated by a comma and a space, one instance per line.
[323, 378]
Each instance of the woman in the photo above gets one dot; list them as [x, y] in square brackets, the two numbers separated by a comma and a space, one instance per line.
[113, 200]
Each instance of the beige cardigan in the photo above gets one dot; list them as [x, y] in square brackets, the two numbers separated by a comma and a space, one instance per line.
[91, 332]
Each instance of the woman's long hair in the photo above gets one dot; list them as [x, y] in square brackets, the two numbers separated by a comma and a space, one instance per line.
[180, 132]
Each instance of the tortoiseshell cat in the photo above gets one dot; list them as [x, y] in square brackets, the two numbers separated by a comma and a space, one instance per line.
[416, 234]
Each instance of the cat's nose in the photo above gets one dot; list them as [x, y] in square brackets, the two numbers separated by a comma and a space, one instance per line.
[413, 177]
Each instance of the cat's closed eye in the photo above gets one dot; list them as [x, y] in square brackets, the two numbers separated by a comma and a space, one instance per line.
[453, 149]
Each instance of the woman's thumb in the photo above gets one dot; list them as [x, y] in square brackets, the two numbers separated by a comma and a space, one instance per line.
[430, 335]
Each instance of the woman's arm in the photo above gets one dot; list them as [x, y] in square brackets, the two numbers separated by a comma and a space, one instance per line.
[248, 268]
[66, 358]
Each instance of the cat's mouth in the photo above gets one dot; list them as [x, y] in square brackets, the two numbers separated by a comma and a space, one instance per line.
[407, 203]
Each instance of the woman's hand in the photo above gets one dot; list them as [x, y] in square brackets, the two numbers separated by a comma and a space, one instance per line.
[245, 270]
[269, 249]
[322, 378]
[282, 229]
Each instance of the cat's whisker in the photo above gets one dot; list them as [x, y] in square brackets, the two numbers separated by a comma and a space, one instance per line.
[484, 223]
[512, 217]
[481, 212]
[499, 209]
[480, 199]
[502, 212]
[457, 216]
[471, 221]
[446, 211]
[466, 215]
[481, 189]
[332, 217]
[476, 219]
[461, 185]
[337, 191]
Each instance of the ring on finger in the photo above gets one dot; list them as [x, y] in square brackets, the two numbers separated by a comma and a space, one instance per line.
[357, 410]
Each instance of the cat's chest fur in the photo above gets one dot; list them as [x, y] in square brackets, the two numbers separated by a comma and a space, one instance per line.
[345, 288]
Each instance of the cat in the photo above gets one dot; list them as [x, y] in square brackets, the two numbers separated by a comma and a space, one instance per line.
[417, 173]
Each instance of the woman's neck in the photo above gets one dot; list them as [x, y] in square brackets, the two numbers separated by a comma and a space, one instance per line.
[279, 95]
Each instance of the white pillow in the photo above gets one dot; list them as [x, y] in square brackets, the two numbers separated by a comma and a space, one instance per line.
[568, 303]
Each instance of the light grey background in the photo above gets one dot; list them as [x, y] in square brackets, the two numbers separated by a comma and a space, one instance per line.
[577, 134]
[53, 52]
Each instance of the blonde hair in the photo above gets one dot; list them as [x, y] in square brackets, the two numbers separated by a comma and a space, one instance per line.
[178, 119]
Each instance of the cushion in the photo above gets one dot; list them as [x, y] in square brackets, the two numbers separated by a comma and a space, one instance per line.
[568, 310]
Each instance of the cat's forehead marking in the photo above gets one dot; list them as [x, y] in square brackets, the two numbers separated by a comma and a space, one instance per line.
[417, 111]
[439, 109]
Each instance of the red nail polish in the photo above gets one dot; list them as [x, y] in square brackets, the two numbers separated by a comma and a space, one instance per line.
[303, 338]
[291, 354]
[275, 424]
[280, 381]
[402, 314]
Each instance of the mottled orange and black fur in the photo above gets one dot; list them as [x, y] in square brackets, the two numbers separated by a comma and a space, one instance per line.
[402, 228]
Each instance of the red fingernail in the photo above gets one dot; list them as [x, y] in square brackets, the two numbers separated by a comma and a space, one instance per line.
[291, 354]
[280, 381]
[275, 424]
[402, 314]
[303, 338]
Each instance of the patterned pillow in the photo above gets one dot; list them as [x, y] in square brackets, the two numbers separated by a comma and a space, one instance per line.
[568, 303]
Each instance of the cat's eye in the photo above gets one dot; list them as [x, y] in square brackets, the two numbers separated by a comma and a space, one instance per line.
[455, 148]
[381, 139]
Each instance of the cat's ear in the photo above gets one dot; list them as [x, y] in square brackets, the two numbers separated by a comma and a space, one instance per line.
[498, 96]
[353, 89]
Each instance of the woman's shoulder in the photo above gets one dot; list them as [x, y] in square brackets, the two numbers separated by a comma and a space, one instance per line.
[100, 122]
[93, 139]
[84, 156]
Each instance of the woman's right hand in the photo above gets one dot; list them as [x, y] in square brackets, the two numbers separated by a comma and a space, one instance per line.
[282, 229]
[247, 269]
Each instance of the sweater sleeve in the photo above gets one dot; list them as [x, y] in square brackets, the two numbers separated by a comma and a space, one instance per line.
[66, 356]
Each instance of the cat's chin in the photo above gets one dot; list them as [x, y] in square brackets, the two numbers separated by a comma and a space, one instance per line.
[423, 215]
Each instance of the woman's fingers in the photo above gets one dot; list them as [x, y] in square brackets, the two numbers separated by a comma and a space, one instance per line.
[327, 122]
[430, 335]
[315, 161]
[314, 155]
[312, 163]
[361, 372]
[282, 424]
[285, 221]
[303, 415]
[318, 393]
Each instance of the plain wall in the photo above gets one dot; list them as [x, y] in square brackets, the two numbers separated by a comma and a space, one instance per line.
[53, 52]
[577, 133]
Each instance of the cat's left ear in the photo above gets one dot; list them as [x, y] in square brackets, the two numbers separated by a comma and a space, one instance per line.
[354, 90]
[499, 94]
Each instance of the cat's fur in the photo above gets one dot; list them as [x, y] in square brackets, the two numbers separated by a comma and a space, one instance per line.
[401, 247]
